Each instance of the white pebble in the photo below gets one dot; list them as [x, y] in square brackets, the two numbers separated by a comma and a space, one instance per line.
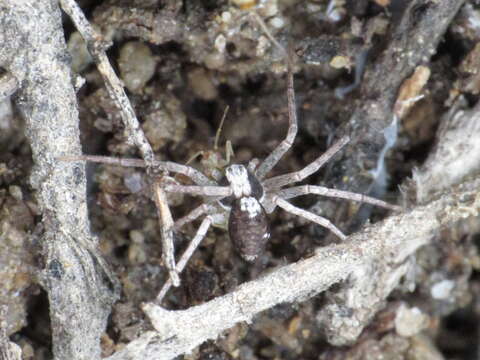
[410, 321]
[277, 22]
[442, 290]
[220, 43]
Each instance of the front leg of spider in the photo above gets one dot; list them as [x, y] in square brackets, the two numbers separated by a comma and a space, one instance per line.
[247, 224]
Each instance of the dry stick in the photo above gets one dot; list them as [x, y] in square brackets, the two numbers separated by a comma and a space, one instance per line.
[115, 89]
[113, 84]
[391, 241]
[80, 288]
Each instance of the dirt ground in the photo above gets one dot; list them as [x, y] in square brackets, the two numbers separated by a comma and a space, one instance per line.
[393, 75]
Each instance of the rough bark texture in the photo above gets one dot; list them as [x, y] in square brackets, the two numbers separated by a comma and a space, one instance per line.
[79, 287]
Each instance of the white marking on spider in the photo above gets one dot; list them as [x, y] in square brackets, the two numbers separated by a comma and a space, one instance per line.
[237, 176]
[251, 206]
[250, 257]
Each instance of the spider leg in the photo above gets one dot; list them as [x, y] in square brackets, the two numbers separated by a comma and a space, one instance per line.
[282, 180]
[323, 191]
[285, 205]
[194, 214]
[195, 175]
[201, 232]
[272, 159]
[203, 190]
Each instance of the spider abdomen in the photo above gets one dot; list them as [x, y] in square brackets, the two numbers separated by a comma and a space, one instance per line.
[248, 227]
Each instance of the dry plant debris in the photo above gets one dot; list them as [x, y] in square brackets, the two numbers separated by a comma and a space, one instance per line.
[390, 289]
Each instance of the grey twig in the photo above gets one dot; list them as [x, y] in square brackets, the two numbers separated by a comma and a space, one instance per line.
[114, 85]
[75, 277]
[134, 131]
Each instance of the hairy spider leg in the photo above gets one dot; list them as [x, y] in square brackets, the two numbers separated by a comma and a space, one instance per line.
[278, 181]
[285, 205]
[194, 214]
[191, 216]
[168, 252]
[205, 190]
[187, 254]
[275, 156]
[196, 176]
[324, 191]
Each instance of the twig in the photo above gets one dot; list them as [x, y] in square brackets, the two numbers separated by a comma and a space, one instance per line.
[392, 241]
[455, 157]
[412, 41]
[80, 287]
[134, 131]
[113, 84]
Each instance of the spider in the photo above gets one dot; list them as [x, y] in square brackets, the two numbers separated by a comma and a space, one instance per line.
[243, 197]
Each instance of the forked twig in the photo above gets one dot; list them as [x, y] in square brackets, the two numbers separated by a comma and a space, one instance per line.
[135, 133]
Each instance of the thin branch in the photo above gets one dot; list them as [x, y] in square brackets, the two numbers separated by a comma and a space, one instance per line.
[113, 84]
[79, 285]
[134, 131]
